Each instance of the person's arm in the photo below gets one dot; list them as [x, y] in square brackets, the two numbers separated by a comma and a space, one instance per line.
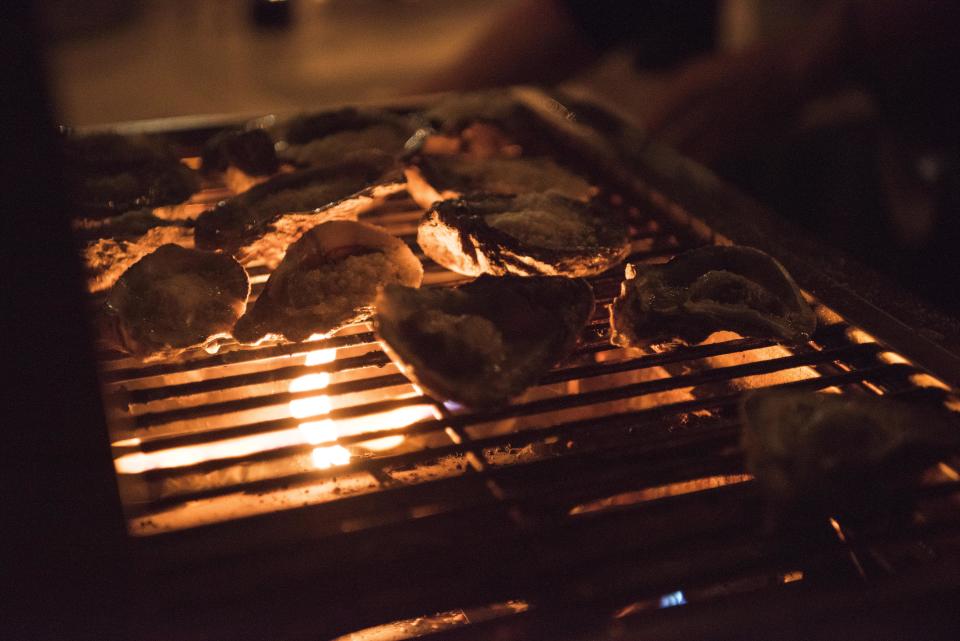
[722, 106]
[535, 41]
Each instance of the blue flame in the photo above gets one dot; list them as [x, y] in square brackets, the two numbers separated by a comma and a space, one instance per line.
[672, 599]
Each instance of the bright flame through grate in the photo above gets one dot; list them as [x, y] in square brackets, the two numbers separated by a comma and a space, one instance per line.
[316, 431]
[324, 430]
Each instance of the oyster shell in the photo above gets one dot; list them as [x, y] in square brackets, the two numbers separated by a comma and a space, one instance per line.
[328, 279]
[242, 158]
[705, 290]
[261, 223]
[837, 454]
[483, 124]
[175, 298]
[457, 111]
[114, 248]
[525, 235]
[431, 179]
[326, 138]
[109, 174]
[486, 341]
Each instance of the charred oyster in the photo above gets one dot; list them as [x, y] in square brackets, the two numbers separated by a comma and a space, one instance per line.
[326, 138]
[328, 279]
[109, 174]
[430, 179]
[175, 298]
[261, 223]
[525, 235]
[705, 290]
[853, 457]
[241, 158]
[486, 341]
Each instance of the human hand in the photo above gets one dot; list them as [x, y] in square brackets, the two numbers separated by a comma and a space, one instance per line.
[721, 107]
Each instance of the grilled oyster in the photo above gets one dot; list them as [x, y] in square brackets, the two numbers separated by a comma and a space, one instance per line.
[242, 158]
[261, 223]
[836, 454]
[705, 290]
[457, 111]
[328, 279]
[486, 341]
[430, 179]
[325, 138]
[483, 124]
[175, 298]
[113, 245]
[525, 235]
[109, 174]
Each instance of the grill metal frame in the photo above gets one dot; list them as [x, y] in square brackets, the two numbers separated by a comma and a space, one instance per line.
[497, 533]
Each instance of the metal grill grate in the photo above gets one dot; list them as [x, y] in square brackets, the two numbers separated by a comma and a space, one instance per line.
[608, 487]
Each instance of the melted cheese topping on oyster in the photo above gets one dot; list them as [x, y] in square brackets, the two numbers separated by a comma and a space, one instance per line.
[543, 223]
[521, 176]
[346, 284]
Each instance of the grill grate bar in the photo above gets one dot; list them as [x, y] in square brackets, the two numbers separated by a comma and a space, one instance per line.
[235, 357]
[280, 374]
[532, 407]
[560, 430]
[379, 358]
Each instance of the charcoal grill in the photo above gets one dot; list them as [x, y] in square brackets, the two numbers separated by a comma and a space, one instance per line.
[310, 491]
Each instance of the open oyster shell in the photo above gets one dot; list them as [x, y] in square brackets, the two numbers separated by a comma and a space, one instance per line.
[431, 179]
[838, 454]
[328, 279]
[261, 223]
[109, 174]
[175, 298]
[486, 341]
[705, 290]
[525, 235]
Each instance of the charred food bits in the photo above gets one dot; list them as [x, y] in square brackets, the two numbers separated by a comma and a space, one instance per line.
[328, 279]
[175, 298]
[486, 341]
[705, 290]
[525, 235]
